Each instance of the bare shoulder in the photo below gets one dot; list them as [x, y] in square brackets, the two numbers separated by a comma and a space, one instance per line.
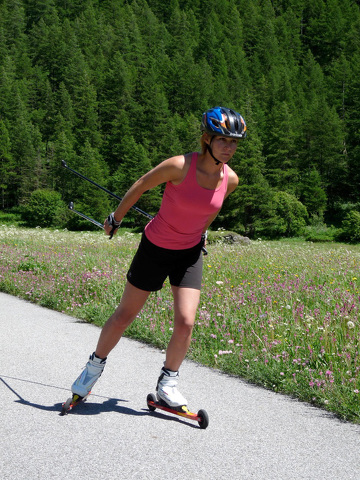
[169, 170]
[179, 166]
[177, 163]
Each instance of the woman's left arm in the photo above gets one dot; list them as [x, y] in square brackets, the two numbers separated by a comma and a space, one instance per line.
[233, 181]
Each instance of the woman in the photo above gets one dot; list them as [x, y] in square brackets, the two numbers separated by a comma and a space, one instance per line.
[196, 186]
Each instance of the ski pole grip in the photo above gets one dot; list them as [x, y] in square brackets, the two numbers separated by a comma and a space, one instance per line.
[113, 223]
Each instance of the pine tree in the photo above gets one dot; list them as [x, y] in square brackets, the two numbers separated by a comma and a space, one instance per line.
[281, 151]
[47, 46]
[134, 164]
[325, 29]
[353, 130]
[7, 166]
[312, 193]
[7, 86]
[84, 96]
[325, 149]
[81, 78]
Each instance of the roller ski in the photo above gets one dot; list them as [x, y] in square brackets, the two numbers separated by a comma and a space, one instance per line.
[82, 386]
[72, 402]
[182, 411]
[170, 400]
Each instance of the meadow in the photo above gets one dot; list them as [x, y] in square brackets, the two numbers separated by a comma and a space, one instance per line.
[281, 314]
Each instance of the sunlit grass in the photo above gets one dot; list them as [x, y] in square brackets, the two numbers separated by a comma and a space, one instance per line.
[282, 314]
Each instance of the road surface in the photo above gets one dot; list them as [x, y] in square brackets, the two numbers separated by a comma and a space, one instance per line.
[253, 433]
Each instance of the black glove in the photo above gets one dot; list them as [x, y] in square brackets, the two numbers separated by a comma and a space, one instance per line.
[113, 223]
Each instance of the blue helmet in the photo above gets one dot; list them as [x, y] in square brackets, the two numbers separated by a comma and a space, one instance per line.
[223, 121]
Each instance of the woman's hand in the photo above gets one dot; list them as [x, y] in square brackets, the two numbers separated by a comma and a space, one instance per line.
[111, 225]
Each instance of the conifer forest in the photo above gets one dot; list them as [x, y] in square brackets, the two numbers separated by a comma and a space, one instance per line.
[113, 87]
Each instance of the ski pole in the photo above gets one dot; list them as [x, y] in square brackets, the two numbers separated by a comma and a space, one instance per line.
[98, 224]
[134, 207]
[71, 204]
[71, 207]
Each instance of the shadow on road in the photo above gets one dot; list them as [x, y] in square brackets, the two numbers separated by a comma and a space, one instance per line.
[88, 408]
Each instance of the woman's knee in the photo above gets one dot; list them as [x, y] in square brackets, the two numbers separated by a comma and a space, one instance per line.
[131, 303]
[184, 326]
[121, 319]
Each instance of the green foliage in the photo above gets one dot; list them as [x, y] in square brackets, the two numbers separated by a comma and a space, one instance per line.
[88, 82]
[45, 209]
[7, 174]
[350, 230]
[292, 214]
[288, 217]
[317, 231]
[312, 194]
[135, 163]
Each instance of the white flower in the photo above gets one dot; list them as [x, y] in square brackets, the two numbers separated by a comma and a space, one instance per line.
[350, 324]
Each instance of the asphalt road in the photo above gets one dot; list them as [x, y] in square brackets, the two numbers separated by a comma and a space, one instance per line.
[253, 433]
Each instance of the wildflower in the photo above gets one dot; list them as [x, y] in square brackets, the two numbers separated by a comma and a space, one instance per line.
[350, 324]
[356, 391]
[219, 282]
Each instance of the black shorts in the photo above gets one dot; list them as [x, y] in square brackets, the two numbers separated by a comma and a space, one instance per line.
[151, 265]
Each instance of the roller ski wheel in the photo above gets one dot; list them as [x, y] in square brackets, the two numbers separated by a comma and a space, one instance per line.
[71, 403]
[201, 417]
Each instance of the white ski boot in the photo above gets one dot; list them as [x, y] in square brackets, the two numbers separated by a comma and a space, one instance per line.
[167, 391]
[89, 376]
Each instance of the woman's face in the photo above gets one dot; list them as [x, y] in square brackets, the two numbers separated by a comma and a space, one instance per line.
[223, 148]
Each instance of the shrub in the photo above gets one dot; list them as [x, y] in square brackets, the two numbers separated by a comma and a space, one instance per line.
[45, 209]
[350, 228]
[320, 233]
[286, 218]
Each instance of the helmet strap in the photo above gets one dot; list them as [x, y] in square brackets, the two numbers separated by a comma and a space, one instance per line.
[211, 153]
[217, 162]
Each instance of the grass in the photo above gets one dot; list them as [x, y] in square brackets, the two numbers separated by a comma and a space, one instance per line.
[284, 314]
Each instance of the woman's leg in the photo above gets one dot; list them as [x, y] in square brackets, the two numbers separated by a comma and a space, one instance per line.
[131, 303]
[186, 302]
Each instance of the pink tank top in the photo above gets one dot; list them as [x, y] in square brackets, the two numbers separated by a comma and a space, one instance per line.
[185, 210]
